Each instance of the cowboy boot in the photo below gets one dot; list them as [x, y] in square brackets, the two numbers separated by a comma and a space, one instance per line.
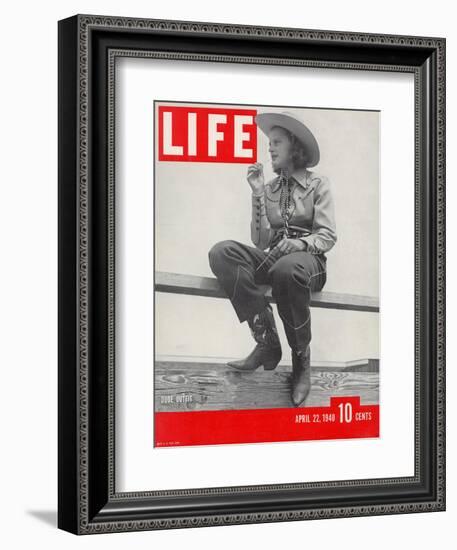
[268, 349]
[301, 375]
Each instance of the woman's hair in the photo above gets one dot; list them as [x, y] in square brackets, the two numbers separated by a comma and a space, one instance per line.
[299, 151]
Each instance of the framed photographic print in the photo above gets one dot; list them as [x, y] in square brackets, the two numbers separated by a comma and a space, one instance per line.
[251, 274]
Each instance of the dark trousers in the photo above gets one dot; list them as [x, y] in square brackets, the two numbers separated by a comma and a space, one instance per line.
[240, 269]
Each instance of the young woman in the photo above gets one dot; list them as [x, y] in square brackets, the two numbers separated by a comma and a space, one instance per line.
[293, 217]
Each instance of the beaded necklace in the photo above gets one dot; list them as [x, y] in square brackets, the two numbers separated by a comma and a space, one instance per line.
[284, 199]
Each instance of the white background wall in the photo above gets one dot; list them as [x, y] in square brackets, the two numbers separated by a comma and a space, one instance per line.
[28, 304]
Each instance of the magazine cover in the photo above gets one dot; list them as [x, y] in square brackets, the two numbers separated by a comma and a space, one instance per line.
[266, 271]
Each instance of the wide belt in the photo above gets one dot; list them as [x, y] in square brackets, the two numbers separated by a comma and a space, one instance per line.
[294, 232]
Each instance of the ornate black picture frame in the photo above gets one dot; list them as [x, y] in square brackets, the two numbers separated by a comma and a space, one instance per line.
[88, 501]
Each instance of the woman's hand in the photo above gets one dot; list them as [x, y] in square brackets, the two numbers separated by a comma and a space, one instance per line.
[286, 246]
[255, 178]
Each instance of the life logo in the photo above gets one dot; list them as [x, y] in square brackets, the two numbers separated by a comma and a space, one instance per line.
[201, 134]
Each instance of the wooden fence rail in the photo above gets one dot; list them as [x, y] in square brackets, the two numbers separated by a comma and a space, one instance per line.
[177, 283]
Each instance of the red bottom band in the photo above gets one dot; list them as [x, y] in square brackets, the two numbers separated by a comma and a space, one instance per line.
[345, 418]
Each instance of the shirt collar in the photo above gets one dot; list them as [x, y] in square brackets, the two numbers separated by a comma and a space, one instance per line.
[300, 175]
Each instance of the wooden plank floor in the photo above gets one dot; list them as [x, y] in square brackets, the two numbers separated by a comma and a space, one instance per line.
[185, 386]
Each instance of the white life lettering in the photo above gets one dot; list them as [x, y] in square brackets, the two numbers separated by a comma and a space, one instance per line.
[192, 134]
[241, 137]
[213, 135]
[168, 147]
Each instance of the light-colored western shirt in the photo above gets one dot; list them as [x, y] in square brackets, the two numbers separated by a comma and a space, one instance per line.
[311, 207]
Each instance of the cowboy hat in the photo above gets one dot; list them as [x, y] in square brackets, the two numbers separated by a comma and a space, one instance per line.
[293, 123]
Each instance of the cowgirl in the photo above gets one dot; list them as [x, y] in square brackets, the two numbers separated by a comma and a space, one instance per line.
[293, 217]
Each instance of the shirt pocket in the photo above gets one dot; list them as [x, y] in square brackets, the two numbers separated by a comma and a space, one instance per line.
[304, 200]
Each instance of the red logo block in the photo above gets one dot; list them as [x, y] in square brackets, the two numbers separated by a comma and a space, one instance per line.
[201, 134]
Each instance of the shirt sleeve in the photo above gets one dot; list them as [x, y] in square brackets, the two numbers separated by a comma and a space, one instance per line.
[323, 235]
[261, 231]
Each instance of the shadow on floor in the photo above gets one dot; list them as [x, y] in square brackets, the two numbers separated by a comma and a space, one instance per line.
[46, 516]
